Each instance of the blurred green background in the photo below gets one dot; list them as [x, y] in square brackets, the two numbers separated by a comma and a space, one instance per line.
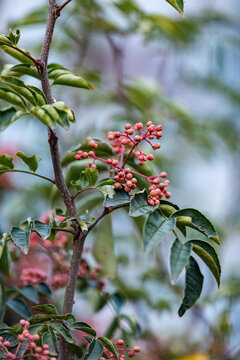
[146, 62]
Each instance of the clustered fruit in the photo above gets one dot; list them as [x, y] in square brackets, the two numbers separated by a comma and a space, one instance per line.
[31, 343]
[119, 345]
[125, 145]
[55, 273]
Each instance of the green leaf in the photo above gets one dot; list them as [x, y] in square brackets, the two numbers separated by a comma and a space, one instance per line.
[38, 94]
[61, 107]
[108, 344]
[55, 116]
[10, 50]
[46, 308]
[25, 69]
[103, 248]
[8, 116]
[12, 97]
[95, 351]
[20, 238]
[207, 253]
[6, 163]
[63, 76]
[81, 183]
[155, 229]
[139, 205]
[48, 340]
[92, 175]
[105, 181]
[119, 198]
[19, 87]
[177, 4]
[30, 293]
[195, 219]
[14, 38]
[44, 230]
[19, 307]
[193, 286]
[179, 258]
[76, 351]
[44, 289]
[4, 40]
[11, 338]
[39, 318]
[42, 115]
[83, 227]
[4, 256]
[107, 191]
[82, 326]
[30, 161]
[62, 331]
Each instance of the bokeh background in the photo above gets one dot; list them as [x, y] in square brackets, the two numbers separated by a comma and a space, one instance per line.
[146, 62]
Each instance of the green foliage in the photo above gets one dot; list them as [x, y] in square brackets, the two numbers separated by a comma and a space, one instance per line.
[30, 161]
[179, 258]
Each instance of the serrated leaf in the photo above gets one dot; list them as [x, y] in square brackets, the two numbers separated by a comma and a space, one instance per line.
[177, 4]
[107, 191]
[39, 318]
[44, 230]
[95, 350]
[157, 226]
[62, 331]
[195, 219]
[193, 286]
[20, 238]
[12, 97]
[14, 38]
[48, 340]
[119, 198]
[46, 308]
[30, 161]
[19, 307]
[139, 205]
[179, 258]
[8, 116]
[82, 326]
[81, 183]
[92, 175]
[11, 338]
[207, 253]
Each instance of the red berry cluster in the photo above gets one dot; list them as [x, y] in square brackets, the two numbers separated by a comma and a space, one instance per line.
[30, 342]
[126, 144]
[32, 276]
[119, 344]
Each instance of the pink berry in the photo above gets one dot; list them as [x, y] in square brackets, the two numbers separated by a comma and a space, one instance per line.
[150, 157]
[6, 343]
[127, 189]
[168, 195]
[115, 162]
[22, 322]
[85, 155]
[129, 183]
[120, 342]
[136, 349]
[149, 123]
[163, 174]
[38, 349]
[127, 126]
[131, 354]
[20, 337]
[109, 161]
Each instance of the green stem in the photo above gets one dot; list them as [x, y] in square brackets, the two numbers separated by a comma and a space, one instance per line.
[32, 173]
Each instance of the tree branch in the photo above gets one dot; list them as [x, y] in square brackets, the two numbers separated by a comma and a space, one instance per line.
[31, 173]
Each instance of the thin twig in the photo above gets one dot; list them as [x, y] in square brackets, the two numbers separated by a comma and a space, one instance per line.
[59, 9]
[35, 61]
[70, 231]
[31, 173]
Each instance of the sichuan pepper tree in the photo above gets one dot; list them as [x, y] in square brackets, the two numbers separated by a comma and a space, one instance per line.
[118, 171]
